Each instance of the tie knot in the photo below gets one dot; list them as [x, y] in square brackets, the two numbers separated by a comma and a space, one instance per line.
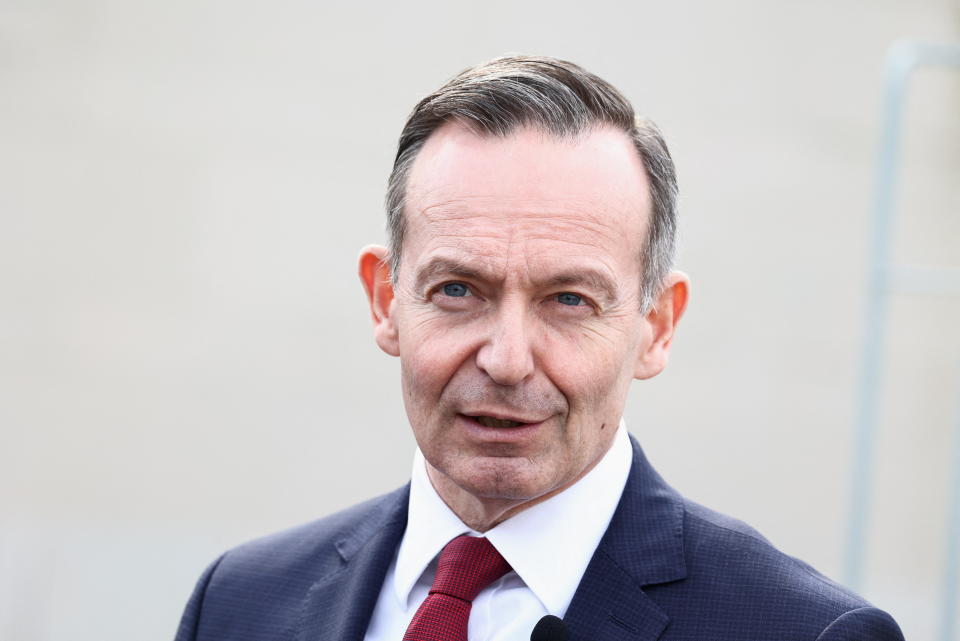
[467, 565]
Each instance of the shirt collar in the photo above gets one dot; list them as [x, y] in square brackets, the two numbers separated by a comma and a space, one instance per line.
[567, 526]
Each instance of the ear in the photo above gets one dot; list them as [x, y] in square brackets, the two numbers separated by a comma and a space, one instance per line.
[661, 323]
[375, 275]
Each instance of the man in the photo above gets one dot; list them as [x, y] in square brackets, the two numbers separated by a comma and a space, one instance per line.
[527, 283]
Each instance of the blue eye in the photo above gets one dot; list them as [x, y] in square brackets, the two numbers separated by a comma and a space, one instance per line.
[567, 298]
[456, 290]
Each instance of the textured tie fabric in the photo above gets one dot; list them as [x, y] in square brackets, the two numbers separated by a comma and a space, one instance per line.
[467, 565]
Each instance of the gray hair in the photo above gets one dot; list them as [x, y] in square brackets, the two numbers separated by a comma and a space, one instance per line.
[559, 97]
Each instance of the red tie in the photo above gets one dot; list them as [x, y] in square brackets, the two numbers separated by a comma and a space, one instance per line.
[467, 565]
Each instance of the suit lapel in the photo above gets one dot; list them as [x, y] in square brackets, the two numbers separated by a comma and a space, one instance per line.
[338, 606]
[609, 605]
[642, 546]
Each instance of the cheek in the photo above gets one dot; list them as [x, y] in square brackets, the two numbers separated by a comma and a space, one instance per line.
[591, 369]
[428, 360]
[421, 376]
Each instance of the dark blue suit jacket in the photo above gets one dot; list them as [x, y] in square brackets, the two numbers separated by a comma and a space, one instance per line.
[665, 569]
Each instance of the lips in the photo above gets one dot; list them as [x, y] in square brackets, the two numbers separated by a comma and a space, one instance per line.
[488, 429]
[489, 421]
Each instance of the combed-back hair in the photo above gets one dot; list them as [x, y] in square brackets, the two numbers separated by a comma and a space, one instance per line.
[504, 94]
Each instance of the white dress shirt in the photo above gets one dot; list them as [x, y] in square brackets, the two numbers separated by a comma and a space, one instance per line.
[548, 546]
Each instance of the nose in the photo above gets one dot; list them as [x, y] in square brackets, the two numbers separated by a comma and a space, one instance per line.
[507, 353]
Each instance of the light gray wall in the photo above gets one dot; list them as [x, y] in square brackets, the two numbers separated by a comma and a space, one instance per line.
[185, 356]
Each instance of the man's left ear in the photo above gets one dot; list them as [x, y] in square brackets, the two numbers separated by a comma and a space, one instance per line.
[661, 323]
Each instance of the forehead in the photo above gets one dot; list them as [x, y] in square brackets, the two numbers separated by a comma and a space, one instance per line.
[547, 193]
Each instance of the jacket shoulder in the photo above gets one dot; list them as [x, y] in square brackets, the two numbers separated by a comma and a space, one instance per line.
[317, 545]
[255, 590]
[731, 568]
[734, 550]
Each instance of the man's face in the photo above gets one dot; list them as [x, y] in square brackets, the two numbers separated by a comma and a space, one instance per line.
[516, 314]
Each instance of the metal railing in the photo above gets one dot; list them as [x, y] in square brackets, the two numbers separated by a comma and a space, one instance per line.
[886, 278]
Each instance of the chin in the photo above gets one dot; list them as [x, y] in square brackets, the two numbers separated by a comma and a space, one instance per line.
[508, 478]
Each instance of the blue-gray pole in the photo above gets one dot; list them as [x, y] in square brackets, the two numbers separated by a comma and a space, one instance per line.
[902, 58]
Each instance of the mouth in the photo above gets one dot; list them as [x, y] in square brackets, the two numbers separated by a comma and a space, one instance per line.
[500, 420]
[500, 430]
[489, 421]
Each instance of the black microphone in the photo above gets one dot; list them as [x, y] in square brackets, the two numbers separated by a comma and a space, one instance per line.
[549, 628]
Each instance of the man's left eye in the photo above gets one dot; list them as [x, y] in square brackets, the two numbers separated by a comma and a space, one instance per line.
[567, 298]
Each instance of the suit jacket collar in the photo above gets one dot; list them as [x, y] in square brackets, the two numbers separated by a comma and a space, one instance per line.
[642, 546]
[645, 537]
[338, 606]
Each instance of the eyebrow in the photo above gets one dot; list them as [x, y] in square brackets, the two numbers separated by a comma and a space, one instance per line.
[592, 279]
[445, 267]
